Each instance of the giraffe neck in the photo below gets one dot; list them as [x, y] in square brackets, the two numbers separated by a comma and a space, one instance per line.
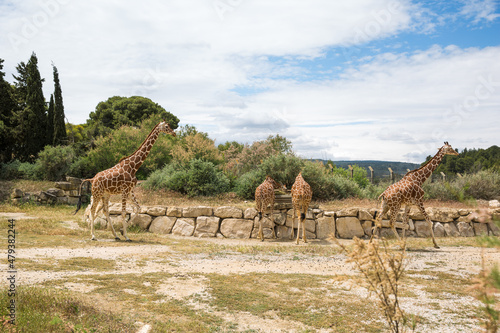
[421, 174]
[135, 160]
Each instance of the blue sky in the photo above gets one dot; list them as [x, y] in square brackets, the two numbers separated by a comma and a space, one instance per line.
[364, 79]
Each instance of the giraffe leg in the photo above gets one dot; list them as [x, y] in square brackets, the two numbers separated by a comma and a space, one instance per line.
[378, 220]
[136, 204]
[261, 234]
[272, 219]
[94, 201]
[429, 222]
[405, 220]
[124, 214]
[105, 204]
[299, 217]
[303, 216]
[394, 214]
[293, 222]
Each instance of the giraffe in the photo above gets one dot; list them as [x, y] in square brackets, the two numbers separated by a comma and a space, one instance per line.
[409, 191]
[264, 198]
[301, 197]
[120, 179]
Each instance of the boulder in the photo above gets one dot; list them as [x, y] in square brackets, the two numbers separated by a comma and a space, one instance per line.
[364, 214]
[236, 228]
[439, 230]
[494, 229]
[350, 211]
[174, 211]
[348, 227]
[465, 229]
[310, 226]
[367, 227]
[266, 232]
[266, 222]
[494, 204]
[416, 214]
[442, 214]
[451, 230]
[156, 211]
[115, 208]
[66, 186]
[325, 227]
[184, 226]
[206, 226]
[283, 232]
[280, 218]
[250, 213]
[16, 193]
[162, 224]
[142, 220]
[55, 192]
[228, 212]
[422, 228]
[480, 229]
[197, 211]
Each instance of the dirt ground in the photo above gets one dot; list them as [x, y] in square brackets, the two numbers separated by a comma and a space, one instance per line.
[460, 261]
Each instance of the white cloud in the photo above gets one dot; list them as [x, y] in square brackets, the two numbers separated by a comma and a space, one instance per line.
[480, 10]
[199, 59]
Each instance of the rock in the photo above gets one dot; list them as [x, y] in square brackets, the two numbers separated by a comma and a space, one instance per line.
[367, 227]
[283, 232]
[55, 192]
[480, 229]
[250, 213]
[397, 225]
[236, 228]
[422, 228]
[228, 212]
[494, 229]
[66, 186]
[465, 229]
[442, 214]
[325, 227]
[439, 230]
[415, 214]
[310, 226]
[16, 193]
[162, 224]
[206, 226]
[280, 218]
[266, 222]
[349, 226]
[197, 211]
[494, 204]
[329, 213]
[451, 230]
[142, 220]
[364, 214]
[156, 211]
[74, 181]
[351, 211]
[73, 200]
[174, 211]
[463, 212]
[266, 232]
[184, 226]
[116, 208]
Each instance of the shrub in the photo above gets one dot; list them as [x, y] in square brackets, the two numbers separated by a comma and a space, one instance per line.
[482, 185]
[197, 178]
[20, 170]
[54, 162]
[246, 184]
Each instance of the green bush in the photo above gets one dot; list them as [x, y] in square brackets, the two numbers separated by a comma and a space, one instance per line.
[482, 185]
[54, 163]
[197, 178]
[20, 170]
[246, 184]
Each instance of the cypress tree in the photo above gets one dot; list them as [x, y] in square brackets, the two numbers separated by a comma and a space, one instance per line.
[50, 121]
[7, 119]
[60, 136]
[35, 113]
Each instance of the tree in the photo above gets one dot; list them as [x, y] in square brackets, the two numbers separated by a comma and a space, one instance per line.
[7, 120]
[280, 144]
[33, 117]
[50, 120]
[60, 136]
[118, 111]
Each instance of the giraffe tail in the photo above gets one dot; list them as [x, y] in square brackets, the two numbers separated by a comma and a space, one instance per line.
[79, 204]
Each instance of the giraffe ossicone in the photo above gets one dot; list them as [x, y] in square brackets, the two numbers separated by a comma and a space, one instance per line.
[409, 191]
[120, 179]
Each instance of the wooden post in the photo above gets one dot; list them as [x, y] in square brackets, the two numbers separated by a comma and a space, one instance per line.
[443, 175]
[352, 170]
[371, 174]
[391, 174]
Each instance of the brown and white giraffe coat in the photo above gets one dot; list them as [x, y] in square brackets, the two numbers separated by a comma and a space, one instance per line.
[264, 201]
[301, 197]
[121, 179]
[409, 191]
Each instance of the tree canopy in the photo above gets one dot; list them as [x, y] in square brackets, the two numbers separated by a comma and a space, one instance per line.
[118, 111]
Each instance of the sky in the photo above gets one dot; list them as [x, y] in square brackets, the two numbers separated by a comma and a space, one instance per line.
[342, 80]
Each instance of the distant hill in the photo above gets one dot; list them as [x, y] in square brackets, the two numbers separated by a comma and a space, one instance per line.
[380, 168]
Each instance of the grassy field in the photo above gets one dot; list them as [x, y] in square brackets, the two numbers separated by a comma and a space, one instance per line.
[67, 283]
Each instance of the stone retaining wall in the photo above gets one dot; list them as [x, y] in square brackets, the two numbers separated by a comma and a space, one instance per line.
[232, 222]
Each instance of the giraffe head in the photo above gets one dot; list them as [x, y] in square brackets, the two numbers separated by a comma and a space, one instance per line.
[275, 184]
[165, 128]
[448, 150]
